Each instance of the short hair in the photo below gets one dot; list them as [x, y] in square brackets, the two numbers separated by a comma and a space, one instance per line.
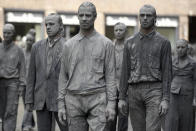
[11, 26]
[120, 23]
[57, 16]
[32, 32]
[90, 5]
[182, 41]
[150, 7]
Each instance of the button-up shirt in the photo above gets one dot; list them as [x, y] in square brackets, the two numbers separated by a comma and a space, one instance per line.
[119, 58]
[147, 58]
[88, 66]
[12, 63]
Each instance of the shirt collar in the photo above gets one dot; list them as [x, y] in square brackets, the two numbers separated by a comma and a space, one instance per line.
[7, 46]
[149, 35]
[80, 36]
[52, 42]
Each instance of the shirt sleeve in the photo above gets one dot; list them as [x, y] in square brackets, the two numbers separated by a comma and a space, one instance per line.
[194, 78]
[110, 71]
[166, 68]
[63, 78]
[31, 78]
[125, 72]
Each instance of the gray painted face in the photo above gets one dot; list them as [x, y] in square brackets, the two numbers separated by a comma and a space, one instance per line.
[181, 48]
[86, 18]
[8, 32]
[147, 18]
[52, 25]
[120, 31]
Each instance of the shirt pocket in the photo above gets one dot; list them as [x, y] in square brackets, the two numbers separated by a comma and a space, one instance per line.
[154, 61]
[97, 63]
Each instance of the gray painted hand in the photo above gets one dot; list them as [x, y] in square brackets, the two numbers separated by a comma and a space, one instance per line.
[62, 116]
[122, 107]
[163, 108]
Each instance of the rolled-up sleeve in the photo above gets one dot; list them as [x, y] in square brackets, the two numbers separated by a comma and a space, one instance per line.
[63, 78]
[166, 69]
[111, 87]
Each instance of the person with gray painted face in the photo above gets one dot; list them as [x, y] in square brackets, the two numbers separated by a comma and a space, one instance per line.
[146, 74]
[42, 81]
[120, 31]
[12, 76]
[183, 90]
[28, 120]
[87, 87]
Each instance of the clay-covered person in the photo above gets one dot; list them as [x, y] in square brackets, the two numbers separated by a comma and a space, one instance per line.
[183, 86]
[12, 76]
[146, 74]
[28, 120]
[120, 31]
[43, 73]
[87, 76]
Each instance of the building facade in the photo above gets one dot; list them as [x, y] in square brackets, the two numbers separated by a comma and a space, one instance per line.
[176, 19]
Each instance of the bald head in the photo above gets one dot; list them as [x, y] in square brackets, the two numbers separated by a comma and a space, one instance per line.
[8, 33]
[149, 7]
[90, 6]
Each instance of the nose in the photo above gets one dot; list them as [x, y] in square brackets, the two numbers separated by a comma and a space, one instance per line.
[84, 18]
[145, 17]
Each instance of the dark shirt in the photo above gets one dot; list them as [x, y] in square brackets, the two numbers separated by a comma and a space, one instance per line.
[184, 78]
[146, 58]
[88, 66]
[12, 63]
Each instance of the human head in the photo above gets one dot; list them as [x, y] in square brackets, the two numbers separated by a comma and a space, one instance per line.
[30, 40]
[147, 17]
[182, 47]
[54, 25]
[32, 31]
[8, 33]
[86, 15]
[120, 30]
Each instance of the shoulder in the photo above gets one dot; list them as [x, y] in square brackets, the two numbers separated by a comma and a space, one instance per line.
[161, 37]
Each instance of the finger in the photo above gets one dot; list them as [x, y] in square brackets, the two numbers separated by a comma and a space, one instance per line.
[160, 109]
[64, 116]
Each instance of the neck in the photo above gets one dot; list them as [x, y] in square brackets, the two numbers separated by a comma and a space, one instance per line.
[146, 31]
[28, 49]
[182, 58]
[87, 32]
[120, 41]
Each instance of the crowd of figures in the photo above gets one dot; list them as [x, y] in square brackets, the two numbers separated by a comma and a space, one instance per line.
[91, 83]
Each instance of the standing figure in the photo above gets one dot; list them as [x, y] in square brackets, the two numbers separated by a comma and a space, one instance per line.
[28, 120]
[120, 31]
[146, 74]
[43, 74]
[12, 76]
[87, 87]
[180, 116]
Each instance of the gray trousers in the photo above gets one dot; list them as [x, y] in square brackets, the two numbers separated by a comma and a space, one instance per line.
[86, 111]
[11, 111]
[180, 116]
[144, 101]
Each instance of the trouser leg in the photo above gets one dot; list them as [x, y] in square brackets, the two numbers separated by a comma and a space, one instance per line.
[3, 98]
[172, 118]
[96, 108]
[122, 122]
[10, 117]
[152, 102]
[76, 116]
[44, 120]
[136, 110]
